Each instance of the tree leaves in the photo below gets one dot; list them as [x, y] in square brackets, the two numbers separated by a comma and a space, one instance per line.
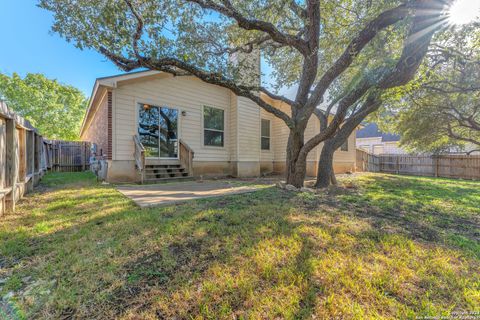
[56, 110]
[441, 109]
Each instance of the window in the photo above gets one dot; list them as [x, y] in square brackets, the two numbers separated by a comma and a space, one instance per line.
[213, 127]
[265, 134]
[344, 146]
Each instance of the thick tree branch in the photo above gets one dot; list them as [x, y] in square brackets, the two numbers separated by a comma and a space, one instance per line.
[139, 30]
[371, 104]
[453, 135]
[415, 49]
[322, 118]
[173, 66]
[228, 10]
[310, 60]
[264, 41]
[381, 22]
[297, 9]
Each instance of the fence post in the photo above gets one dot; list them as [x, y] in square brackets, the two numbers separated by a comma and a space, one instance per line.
[82, 150]
[435, 164]
[398, 164]
[59, 169]
[11, 164]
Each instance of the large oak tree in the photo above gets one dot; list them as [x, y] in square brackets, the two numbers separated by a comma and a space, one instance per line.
[354, 47]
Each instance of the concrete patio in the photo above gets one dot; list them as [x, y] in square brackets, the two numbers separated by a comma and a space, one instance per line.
[170, 193]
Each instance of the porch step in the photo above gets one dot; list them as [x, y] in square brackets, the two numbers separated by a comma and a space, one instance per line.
[164, 170]
[159, 173]
[172, 166]
[165, 180]
[149, 175]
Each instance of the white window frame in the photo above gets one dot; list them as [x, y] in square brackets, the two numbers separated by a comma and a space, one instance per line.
[269, 137]
[224, 128]
[159, 105]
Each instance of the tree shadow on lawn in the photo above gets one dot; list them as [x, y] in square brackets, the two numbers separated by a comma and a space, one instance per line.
[268, 254]
[180, 279]
[136, 249]
[443, 211]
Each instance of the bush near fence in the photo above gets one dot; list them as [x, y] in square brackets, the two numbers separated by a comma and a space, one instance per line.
[446, 165]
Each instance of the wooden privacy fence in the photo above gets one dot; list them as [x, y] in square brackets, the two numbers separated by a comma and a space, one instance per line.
[448, 166]
[67, 156]
[367, 162]
[25, 156]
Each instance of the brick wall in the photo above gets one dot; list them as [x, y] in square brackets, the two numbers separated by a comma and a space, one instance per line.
[97, 132]
[109, 125]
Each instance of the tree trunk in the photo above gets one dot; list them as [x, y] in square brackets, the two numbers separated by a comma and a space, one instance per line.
[296, 167]
[325, 174]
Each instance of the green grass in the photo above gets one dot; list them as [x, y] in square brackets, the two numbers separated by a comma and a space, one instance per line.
[391, 247]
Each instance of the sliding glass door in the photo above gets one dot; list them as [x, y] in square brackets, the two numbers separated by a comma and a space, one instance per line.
[158, 131]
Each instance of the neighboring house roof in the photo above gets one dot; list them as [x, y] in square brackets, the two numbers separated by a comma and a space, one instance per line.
[371, 131]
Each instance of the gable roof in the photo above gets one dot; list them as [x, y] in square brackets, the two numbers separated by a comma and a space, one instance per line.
[371, 130]
[103, 83]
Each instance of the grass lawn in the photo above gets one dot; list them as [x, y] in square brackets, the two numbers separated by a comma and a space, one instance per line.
[391, 247]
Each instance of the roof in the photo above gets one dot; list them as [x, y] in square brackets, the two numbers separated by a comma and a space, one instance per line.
[111, 82]
[371, 130]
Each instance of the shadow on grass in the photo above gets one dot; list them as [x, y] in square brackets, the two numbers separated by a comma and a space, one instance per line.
[160, 248]
[253, 255]
[434, 210]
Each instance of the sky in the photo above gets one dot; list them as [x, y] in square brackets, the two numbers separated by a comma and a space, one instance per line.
[28, 45]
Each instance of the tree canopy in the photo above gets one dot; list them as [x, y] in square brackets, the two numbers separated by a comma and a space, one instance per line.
[56, 110]
[354, 48]
[441, 108]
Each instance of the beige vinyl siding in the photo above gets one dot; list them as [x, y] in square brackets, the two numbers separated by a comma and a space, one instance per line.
[233, 127]
[248, 122]
[280, 134]
[183, 93]
[313, 128]
[346, 157]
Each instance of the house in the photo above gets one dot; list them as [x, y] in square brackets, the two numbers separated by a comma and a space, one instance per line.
[151, 126]
[372, 140]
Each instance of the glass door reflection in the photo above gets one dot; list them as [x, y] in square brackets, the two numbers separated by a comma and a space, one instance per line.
[168, 132]
[158, 131]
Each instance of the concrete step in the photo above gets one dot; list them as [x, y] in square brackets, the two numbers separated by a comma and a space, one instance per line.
[164, 166]
[164, 170]
[164, 180]
[151, 175]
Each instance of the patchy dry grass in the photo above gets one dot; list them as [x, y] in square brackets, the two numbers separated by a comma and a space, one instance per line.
[392, 247]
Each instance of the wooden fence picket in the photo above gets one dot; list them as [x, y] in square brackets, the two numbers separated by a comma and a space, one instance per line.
[68, 156]
[446, 165]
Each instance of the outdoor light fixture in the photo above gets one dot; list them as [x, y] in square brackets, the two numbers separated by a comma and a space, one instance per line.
[464, 11]
[184, 113]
